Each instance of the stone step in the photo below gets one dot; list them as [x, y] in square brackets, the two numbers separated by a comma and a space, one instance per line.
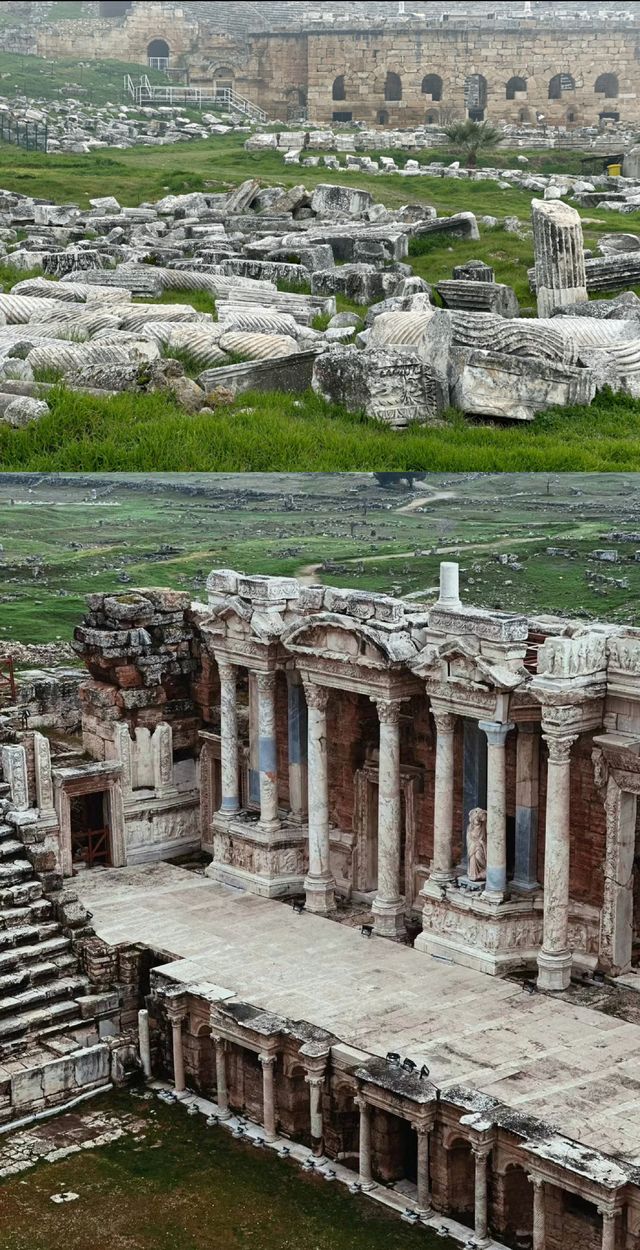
[14, 871]
[19, 956]
[17, 917]
[10, 848]
[23, 935]
[23, 977]
[41, 996]
[21, 894]
[31, 1023]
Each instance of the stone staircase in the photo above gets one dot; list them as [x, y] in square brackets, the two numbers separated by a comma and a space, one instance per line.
[40, 983]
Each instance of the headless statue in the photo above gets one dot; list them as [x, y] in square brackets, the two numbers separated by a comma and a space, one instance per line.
[477, 845]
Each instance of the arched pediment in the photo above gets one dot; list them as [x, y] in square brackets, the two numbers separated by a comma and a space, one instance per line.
[339, 638]
[459, 660]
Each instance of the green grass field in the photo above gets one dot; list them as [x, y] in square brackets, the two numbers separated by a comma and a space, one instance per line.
[65, 537]
[172, 1184]
[286, 433]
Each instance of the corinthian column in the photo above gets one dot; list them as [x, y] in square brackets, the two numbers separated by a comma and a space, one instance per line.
[268, 755]
[554, 960]
[481, 1154]
[442, 864]
[319, 883]
[176, 1013]
[496, 883]
[559, 252]
[228, 739]
[388, 906]
[538, 1213]
[268, 1095]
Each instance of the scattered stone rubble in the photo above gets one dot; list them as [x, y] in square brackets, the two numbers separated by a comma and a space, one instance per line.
[96, 319]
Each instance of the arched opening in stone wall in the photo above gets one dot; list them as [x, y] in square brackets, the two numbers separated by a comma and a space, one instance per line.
[432, 86]
[383, 118]
[158, 54]
[393, 86]
[461, 1182]
[475, 96]
[559, 85]
[518, 1207]
[339, 90]
[223, 81]
[516, 88]
[607, 85]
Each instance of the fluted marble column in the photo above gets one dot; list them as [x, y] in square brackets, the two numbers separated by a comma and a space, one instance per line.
[554, 960]
[230, 804]
[268, 754]
[319, 883]
[388, 906]
[268, 1096]
[496, 882]
[222, 1091]
[558, 243]
[442, 865]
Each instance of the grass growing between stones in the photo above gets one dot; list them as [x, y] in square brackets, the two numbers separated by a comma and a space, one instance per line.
[176, 1185]
[287, 433]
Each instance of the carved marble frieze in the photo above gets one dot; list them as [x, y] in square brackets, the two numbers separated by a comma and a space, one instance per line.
[242, 853]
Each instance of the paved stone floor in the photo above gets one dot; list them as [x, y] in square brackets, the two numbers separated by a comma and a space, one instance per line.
[567, 1064]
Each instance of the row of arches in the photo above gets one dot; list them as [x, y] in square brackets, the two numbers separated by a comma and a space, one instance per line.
[476, 89]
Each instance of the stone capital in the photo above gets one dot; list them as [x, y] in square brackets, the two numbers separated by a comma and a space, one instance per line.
[219, 1042]
[389, 710]
[317, 697]
[445, 721]
[315, 1079]
[538, 1182]
[496, 731]
[482, 1149]
[268, 1061]
[559, 747]
[266, 683]
[176, 1012]
[227, 671]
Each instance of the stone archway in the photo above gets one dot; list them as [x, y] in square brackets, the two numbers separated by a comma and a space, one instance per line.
[461, 1174]
[158, 54]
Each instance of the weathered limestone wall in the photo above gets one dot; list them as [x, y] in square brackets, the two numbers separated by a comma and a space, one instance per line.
[124, 39]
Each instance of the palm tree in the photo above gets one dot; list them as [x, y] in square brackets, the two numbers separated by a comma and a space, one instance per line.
[471, 137]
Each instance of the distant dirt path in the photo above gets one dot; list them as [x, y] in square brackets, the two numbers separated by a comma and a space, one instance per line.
[307, 572]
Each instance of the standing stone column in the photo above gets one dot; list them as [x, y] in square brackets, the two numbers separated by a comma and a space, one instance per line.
[388, 906]
[481, 1154]
[423, 1178]
[558, 243]
[442, 865]
[268, 1096]
[538, 1212]
[554, 960]
[319, 883]
[609, 1218]
[496, 883]
[268, 754]
[176, 1014]
[298, 747]
[364, 1165]
[144, 1042]
[315, 1081]
[525, 875]
[222, 1091]
[229, 739]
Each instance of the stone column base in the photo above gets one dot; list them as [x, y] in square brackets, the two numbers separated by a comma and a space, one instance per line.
[554, 970]
[388, 919]
[320, 895]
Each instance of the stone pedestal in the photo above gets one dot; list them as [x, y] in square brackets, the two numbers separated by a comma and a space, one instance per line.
[319, 883]
[388, 906]
[554, 960]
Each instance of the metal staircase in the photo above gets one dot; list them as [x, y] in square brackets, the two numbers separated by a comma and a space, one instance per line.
[144, 92]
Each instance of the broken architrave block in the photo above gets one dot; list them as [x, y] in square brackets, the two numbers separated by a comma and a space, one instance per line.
[392, 388]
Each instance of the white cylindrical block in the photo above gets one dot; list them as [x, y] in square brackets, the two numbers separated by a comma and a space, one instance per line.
[144, 1042]
[449, 585]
